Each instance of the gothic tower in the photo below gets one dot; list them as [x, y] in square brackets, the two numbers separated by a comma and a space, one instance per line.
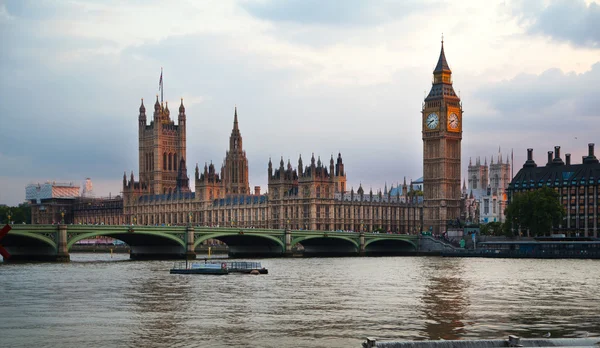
[162, 146]
[235, 171]
[442, 135]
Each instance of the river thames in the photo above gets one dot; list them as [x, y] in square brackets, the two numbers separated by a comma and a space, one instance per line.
[98, 301]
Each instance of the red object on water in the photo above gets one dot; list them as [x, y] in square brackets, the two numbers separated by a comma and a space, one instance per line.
[5, 254]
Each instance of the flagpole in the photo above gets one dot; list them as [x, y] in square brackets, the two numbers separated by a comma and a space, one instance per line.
[512, 164]
[161, 85]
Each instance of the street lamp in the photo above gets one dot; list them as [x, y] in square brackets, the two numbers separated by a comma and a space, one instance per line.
[8, 214]
[62, 216]
[134, 220]
[190, 218]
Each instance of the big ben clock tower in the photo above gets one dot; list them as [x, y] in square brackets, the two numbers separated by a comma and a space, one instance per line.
[442, 133]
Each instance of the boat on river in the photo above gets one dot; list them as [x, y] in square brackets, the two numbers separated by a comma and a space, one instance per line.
[218, 267]
[199, 268]
[243, 267]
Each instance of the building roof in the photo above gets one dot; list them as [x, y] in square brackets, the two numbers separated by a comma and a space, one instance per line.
[442, 64]
[557, 174]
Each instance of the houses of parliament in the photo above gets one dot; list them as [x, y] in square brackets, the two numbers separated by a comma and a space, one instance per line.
[312, 195]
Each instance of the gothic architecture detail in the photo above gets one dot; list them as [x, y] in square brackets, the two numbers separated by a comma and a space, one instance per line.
[486, 193]
[442, 134]
[235, 173]
[161, 148]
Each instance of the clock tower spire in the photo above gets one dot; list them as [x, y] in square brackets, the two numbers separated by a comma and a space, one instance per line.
[442, 135]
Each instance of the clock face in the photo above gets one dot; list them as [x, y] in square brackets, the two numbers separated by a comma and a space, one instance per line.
[453, 121]
[432, 121]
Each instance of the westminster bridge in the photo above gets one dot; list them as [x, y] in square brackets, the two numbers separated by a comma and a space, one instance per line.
[53, 242]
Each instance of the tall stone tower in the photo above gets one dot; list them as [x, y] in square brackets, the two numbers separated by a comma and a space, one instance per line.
[442, 135]
[235, 170]
[161, 149]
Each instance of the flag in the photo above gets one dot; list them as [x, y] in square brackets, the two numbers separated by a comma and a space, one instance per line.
[160, 80]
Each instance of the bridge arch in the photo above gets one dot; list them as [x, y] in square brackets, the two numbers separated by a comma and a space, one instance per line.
[36, 236]
[124, 236]
[389, 246]
[327, 245]
[304, 238]
[245, 243]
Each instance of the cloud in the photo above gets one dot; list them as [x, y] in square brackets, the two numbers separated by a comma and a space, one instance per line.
[572, 21]
[334, 13]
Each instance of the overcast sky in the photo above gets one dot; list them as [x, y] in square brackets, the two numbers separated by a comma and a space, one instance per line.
[307, 76]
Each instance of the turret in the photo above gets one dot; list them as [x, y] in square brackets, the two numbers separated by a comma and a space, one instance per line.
[142, 116]
[181, 118]
[300, 165]
[331, 165]
[339, 167]
[270, 168]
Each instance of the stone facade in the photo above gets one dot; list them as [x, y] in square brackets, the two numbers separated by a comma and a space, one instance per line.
[313, 197]
[442, 135]
[487, 188]
[161, 148]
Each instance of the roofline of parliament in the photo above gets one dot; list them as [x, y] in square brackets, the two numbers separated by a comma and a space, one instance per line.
[314, 196]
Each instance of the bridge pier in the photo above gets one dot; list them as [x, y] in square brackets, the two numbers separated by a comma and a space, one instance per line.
[190, 253]
[361, 238]
[62, 252]
[288, 244]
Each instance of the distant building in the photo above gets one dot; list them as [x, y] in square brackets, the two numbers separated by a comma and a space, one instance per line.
[486, 193]
[88, 189]
[51, 201]
[578, 186]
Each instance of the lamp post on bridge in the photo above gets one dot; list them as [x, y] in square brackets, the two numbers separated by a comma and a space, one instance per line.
[8, 215]
[134, 220]
[62, 216]
[190, 218]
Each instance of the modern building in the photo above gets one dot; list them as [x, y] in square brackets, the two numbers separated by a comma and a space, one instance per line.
[442, 135]
[577, 185]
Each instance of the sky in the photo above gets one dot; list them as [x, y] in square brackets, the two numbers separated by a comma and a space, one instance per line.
[307, 76]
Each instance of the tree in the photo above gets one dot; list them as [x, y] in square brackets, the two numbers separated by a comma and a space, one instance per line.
[18, 215]
[492, 229]
[534, 211]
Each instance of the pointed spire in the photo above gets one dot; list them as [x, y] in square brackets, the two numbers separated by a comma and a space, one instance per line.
[235, 119]
[142, 107]
[470, 163]
[157, 104]
[181, 107]
[442, 64]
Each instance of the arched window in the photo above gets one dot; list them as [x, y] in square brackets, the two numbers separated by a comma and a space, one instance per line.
[174, 161]
[170, 161]
[165, 161]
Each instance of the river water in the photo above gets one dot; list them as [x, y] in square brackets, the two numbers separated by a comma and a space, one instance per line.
[99, 301]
